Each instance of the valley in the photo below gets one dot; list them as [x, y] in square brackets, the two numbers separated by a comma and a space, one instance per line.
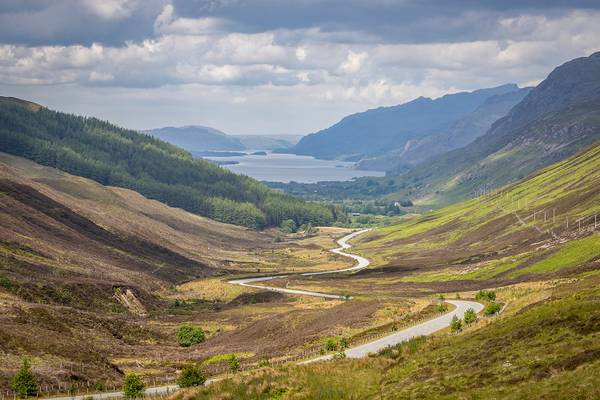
[236, 200]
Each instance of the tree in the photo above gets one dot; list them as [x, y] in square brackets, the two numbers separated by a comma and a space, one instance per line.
[191, 375]
[234, 364]
[485, 295]
[331, 344]
[288, 226]
[133, 386]
[491, 308]
[188, 335]
[470, 316]
[343, 343]
[24, 383]
[455, 324]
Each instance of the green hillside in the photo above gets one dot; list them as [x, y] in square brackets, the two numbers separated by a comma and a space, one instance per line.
[546, 342]
[119, 157]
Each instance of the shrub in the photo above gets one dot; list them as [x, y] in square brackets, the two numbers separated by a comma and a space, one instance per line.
[288, 226]
[491, 309]
[133, 386]
[340, 355]
[191, 375]
[188, 335]
[455, 324]
[5, 282]
[470, 316]
[442, 307]
[331, 344]
[24, 383]
[234, 364]
[486, 295]
[343, 343]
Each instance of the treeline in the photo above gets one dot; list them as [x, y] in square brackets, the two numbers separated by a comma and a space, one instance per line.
[115, 156]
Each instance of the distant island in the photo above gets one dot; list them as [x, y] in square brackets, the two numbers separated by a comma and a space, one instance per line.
[259, 153]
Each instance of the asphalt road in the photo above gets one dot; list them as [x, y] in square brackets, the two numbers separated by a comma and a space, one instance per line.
[361, 263]
[423, 329]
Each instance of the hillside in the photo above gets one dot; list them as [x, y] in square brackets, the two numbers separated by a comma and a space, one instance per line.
[197, 138]
[459, 134]
[544, 273]
[91, 275]
[555, 120]
[119, 157]
[378, 131]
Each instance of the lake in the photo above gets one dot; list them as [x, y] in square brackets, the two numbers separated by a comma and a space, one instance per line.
[289, 167]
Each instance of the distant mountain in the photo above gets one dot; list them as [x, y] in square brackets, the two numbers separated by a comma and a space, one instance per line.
[379, 131]
[459, 134]
[558, 118]
[267, 142]
[197, 138]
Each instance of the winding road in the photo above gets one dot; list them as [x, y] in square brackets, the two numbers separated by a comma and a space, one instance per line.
[361, 263]
[422, 329]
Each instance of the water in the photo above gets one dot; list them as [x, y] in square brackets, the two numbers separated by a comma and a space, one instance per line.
[289, 167]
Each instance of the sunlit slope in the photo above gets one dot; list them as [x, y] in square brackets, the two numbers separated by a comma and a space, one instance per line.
[500, 227]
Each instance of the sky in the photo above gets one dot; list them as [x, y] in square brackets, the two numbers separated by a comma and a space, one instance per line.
[276, 66]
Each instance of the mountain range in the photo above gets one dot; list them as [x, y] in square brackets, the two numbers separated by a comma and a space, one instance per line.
[197, 139]
[556, 119]
[389, 132]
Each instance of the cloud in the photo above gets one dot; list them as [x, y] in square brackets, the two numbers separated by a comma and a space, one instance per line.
[306, 62]
[353, 62]
[111, 8]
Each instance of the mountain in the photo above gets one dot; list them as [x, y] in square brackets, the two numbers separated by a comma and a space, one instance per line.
[378, 131]
[120, 157]
[555, 120]
[459, 134]
[267, 142]
[197, 138]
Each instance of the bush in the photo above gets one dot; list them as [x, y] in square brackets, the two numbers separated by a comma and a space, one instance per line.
[442, 308]
[340, 355]
[234, 364]
[188, 335]
[133, 386]
[470, 316]
[455, 324]
[24, 383]
[343, 343]
[486, 295]
[191, 375]
[491, 309]
[331, 344]
[5, 282]
[288, 226]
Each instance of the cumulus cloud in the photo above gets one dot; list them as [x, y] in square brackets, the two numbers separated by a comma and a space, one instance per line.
[353, 62]
[236, 53]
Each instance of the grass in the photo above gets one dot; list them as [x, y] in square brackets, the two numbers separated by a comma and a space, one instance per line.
[547, 348]
[570, 255]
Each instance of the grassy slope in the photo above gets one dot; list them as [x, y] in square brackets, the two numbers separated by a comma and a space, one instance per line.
[69, 245]
[486, 235]
[547, 345]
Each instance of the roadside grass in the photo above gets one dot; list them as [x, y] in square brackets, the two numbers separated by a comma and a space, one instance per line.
[548, 348]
